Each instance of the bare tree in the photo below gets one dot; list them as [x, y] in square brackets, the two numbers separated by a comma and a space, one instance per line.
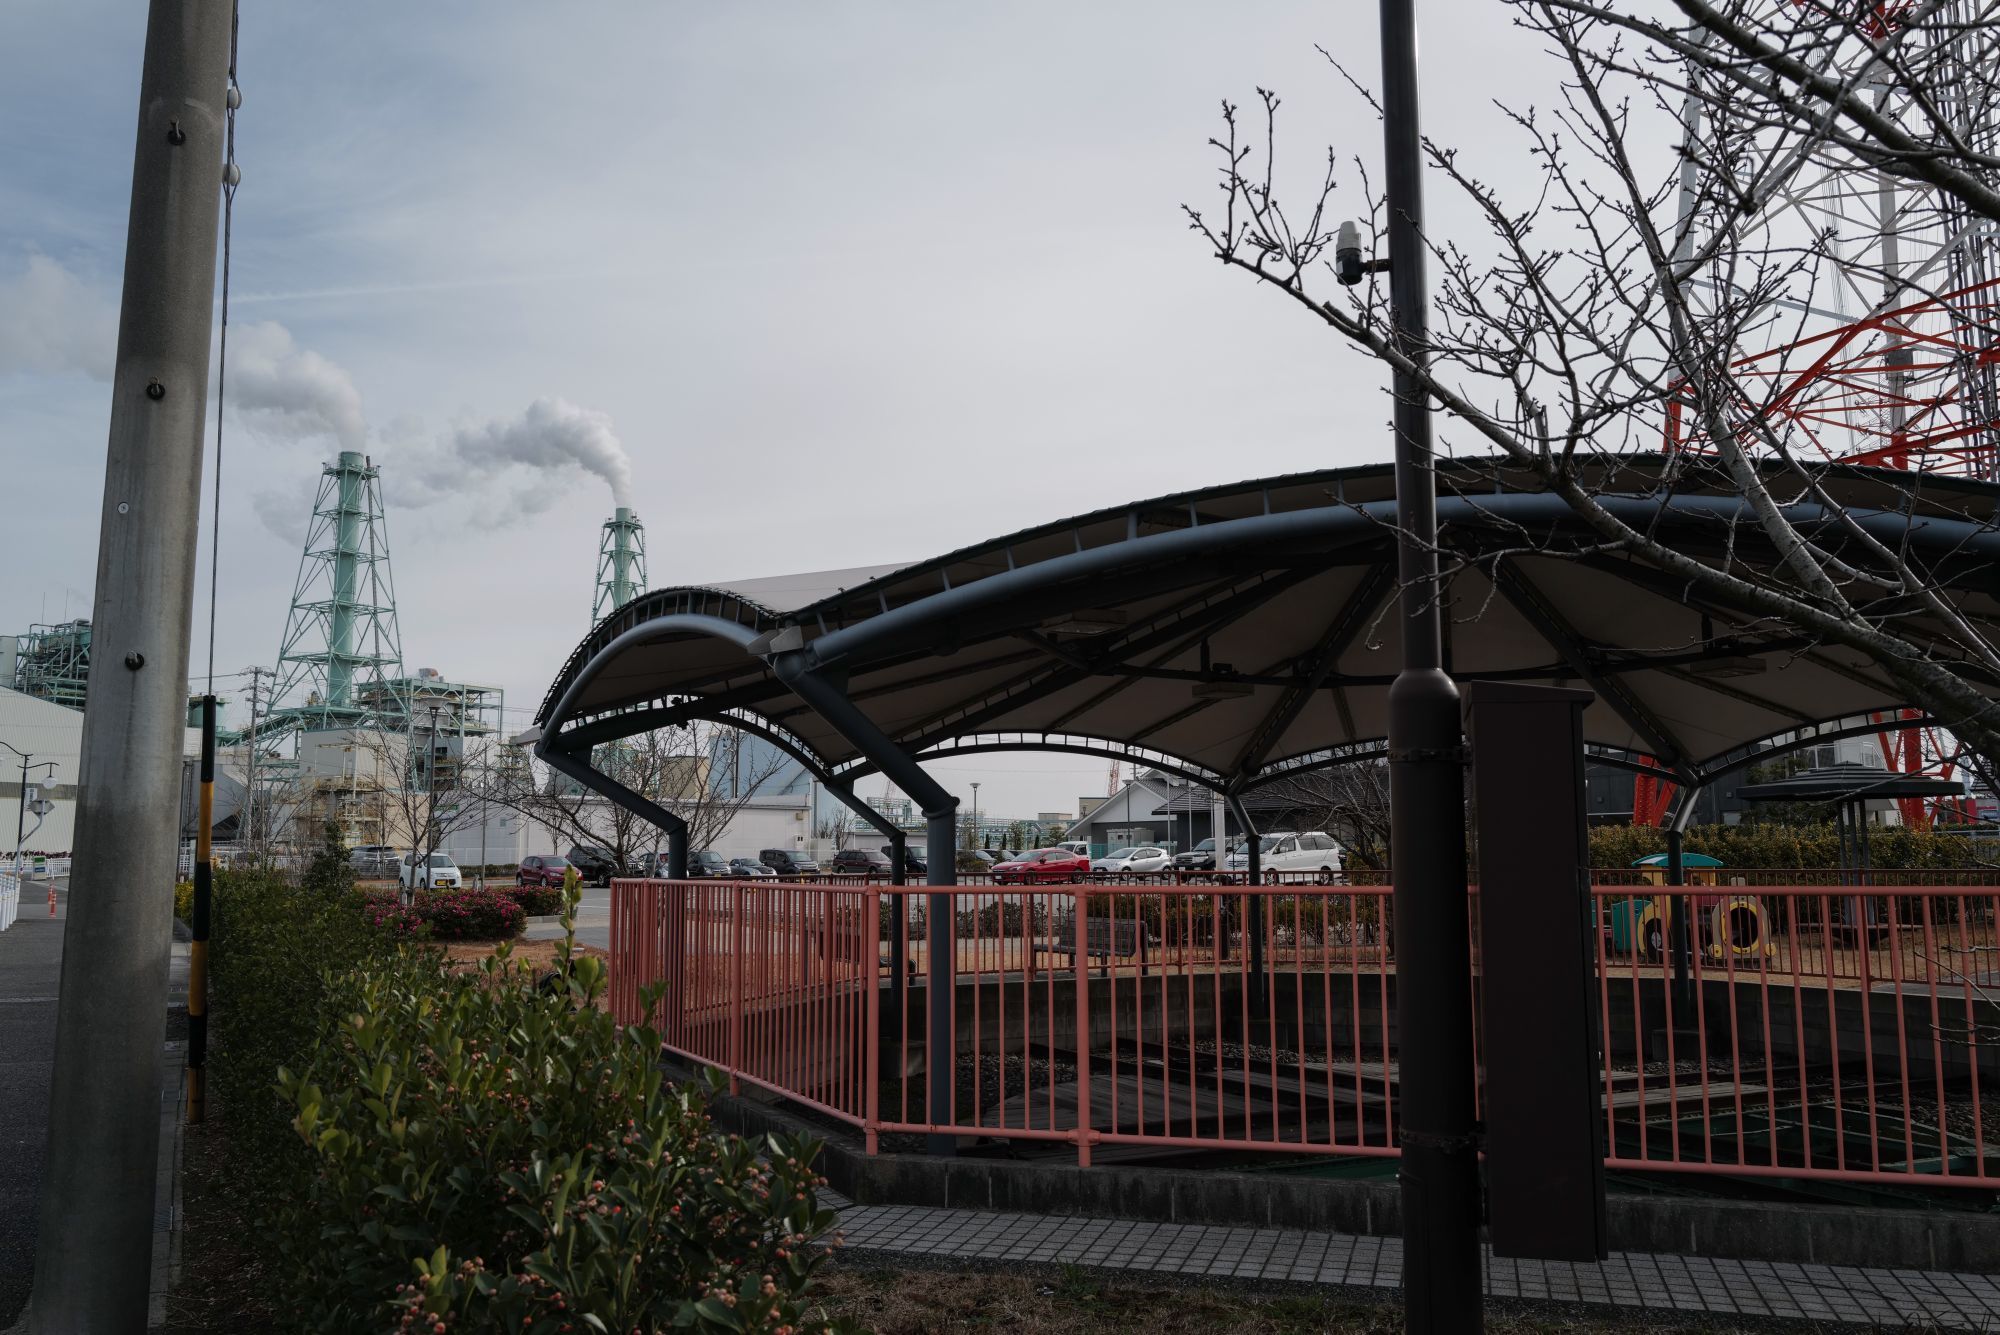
[669, 766]
[1614, 301]
[1350, 802]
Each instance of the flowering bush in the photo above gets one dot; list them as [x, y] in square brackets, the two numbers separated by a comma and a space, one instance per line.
[184, 901]
[538, 901]
[446, 915]
[491, 1156]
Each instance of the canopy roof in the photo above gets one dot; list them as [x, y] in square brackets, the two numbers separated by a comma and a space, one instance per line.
[1239, 633]
[1849, 782]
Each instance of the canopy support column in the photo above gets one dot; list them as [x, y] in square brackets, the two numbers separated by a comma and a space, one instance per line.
[829, 700]
[597, 781]
[899, 932]
[1253, 931]
[1677, 876]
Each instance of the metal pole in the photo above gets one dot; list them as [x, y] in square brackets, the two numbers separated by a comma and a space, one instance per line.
[1677, 876]
[1440, 1165]
[93, 1258]
[204, 890]
[941, 1051]
[20, 809]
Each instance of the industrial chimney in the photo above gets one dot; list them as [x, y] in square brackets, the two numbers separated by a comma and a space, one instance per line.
[621, 563]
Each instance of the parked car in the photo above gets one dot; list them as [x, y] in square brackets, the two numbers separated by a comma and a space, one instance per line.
[1202, 856]
[1076, 846]
[975, 860]
[441, 873]
[542, 869]
[1143, 858]
[862, 860]
[913, 860]
[1288, 850]
[788, 862]
[596, 865]
[749, 869]
[708, 862]
[1043, 864]
[653, 866]
[372, 860]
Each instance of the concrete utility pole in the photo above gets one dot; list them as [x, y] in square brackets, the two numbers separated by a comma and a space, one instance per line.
[93, 1258]
[1440, 1164]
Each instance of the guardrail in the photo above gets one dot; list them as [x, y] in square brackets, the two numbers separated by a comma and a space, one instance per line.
[1848, 1033]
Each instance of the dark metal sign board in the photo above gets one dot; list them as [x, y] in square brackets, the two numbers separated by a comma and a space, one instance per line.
[1544, 1125]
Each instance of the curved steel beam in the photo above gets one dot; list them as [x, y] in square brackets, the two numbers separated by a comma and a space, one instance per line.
[920, 620]
[1070, 743]
[658, 628]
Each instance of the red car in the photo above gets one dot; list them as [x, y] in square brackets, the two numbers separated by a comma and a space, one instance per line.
[541, 871]
[1044, 864]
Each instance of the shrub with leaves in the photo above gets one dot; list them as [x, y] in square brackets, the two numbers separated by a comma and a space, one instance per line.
[538, 901]
[281, 958]
[493, 1156]
[1809, 846]
[446, 915]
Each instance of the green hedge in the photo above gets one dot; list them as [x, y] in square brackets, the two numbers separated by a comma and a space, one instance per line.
[433, 1150]
[446, 915]
[1761, 845]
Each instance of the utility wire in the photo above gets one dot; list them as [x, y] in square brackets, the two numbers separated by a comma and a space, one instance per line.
[230, 176]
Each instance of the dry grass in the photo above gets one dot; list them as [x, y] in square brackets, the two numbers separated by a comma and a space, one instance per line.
[1071, 1301]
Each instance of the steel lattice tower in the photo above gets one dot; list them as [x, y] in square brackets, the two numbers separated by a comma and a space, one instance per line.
[341, 640]
[1890, 355]
[621, 563]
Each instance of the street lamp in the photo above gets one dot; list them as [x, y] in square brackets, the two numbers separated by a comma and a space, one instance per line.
[977, 842]
[430, 798]
[1440, 1160]
[21, 804]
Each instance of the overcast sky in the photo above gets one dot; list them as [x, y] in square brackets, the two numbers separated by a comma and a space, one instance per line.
[834, 284]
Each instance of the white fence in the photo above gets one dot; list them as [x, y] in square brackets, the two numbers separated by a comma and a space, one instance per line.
[10, 899]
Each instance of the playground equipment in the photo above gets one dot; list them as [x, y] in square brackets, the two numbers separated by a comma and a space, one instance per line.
[1727, 925]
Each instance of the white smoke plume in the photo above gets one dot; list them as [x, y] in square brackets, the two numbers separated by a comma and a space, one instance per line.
[552, 434]
[291, 391]
[52, 323]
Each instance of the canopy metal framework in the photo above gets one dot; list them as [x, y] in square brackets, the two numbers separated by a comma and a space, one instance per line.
[1239, 633]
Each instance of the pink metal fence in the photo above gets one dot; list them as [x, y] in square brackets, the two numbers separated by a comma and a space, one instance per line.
[1816, 1031]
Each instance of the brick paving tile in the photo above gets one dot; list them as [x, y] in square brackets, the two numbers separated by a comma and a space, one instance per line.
[1849, 1294]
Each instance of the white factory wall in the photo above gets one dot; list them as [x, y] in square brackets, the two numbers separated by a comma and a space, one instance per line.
[778, 821]
[47, 732]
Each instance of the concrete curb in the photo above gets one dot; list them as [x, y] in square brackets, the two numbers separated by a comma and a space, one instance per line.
[1745, 1230]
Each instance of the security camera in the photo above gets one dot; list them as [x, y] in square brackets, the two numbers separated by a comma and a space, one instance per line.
[1347, 265]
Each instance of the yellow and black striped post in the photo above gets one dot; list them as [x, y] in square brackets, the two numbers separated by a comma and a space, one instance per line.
[204, 884]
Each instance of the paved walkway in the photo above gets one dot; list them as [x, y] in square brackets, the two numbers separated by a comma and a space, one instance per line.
[30, 974]
[1687, 1284]
[593, 920]
[30, 970]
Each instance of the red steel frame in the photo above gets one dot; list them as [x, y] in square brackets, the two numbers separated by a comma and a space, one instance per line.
[1854, 1001]
[1892, 383]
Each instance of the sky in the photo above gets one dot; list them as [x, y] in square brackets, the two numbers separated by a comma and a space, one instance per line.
[811, 285]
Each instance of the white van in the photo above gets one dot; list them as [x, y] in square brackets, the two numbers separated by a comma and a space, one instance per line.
[1290, 850]
[441, 874]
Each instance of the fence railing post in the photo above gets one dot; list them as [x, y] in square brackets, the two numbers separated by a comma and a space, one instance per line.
[736, 987]
[872, 1037]
[1080, 931]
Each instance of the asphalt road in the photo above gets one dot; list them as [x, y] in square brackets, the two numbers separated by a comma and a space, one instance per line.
[30, 969]
[593, 921]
